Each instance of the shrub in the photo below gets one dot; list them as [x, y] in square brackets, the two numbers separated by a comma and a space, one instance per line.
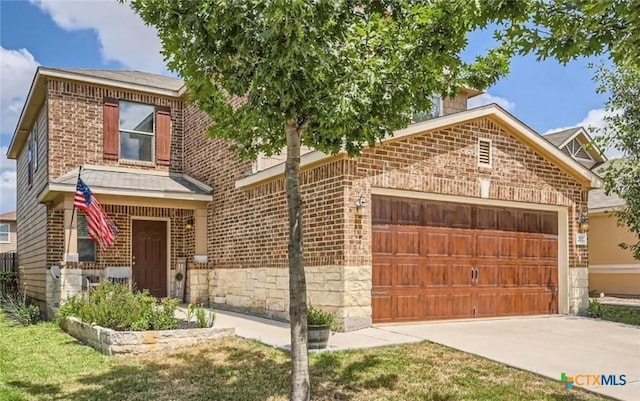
[20, 309]
[8, 282]
[319, 317]
[595, 308]
[163, 317]
[116, 307]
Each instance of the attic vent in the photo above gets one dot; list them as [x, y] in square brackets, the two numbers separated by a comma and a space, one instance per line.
[484, 152]
[575, 149]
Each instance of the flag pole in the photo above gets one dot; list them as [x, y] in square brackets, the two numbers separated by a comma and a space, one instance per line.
[73, 214]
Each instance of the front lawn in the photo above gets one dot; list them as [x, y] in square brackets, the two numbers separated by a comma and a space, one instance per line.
[43, 363]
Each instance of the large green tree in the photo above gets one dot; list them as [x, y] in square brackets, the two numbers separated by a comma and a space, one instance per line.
[329, 74]
[568, 29]
[622, 133]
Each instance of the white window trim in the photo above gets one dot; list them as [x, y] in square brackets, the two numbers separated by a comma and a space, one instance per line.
[30, 172]
[132, 131]
[8, 241]
[485, 140]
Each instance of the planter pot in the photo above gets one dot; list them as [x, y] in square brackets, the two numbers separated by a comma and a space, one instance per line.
[318, 336]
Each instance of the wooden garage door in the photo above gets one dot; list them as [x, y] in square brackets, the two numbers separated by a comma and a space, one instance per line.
[436, 260]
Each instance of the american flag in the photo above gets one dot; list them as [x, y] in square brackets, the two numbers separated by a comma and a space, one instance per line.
[101, 229]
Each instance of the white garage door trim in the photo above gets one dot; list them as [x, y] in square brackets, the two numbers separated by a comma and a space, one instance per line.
[563, 228]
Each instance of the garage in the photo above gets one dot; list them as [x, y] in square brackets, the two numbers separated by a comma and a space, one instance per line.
[443, 260]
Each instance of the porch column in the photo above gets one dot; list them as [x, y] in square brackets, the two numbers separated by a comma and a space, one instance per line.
[200, 228]
[70, 232]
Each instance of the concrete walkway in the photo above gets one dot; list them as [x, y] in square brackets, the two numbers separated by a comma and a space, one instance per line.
[547, 346]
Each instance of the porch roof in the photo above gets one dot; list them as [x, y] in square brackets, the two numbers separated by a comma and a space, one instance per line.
[130, 183]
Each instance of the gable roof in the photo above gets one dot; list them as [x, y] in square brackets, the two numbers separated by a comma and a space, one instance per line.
[522, 132]
[8, 216]
[560, 137]
[129, 77]
[563, 138]
[129, 80]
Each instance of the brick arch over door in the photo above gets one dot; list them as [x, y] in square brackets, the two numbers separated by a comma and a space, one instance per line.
[441, 260]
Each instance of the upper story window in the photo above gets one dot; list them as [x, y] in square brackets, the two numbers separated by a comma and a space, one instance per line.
[5, 234]
[34, 147]
[137, 131]
[436, 111]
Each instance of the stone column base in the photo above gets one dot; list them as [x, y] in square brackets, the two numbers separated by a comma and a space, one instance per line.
[578, 290]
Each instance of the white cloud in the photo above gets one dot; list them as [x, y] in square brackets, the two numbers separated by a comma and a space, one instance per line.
[7, 182]
[122, 35]
[487, 98]
[17, 68]
[595, 119]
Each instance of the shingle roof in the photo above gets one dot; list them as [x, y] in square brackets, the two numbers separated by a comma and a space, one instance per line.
[9, 216]
[99, 178]
[132, 77]
[597, 197]
[557, 138]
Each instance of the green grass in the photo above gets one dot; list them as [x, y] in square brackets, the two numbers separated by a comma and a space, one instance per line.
[621, 314]
[43, 363]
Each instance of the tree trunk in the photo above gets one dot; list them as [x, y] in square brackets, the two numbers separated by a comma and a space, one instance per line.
[300, 386]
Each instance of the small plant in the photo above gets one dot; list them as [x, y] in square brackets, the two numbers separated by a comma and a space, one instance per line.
[595, 308]
[204, 318]
[8, 282]
[19, 309]
[319, 317]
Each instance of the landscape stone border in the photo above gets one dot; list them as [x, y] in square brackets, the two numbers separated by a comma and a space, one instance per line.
[112, 342]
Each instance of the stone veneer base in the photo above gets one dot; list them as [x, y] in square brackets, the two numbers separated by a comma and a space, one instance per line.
[342, 290]
[111, 342]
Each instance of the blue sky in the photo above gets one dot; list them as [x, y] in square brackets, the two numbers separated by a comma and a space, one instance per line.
[105, 34]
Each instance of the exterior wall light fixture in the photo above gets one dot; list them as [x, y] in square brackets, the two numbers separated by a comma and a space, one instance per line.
[361, 205]
[583, 223]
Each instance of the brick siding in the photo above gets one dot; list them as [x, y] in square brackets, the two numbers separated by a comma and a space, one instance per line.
[455, 104]
[445, 162]
[119, 254]
[75, 126]
[248, 227]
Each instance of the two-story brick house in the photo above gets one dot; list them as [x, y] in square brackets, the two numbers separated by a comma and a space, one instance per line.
[469, 213]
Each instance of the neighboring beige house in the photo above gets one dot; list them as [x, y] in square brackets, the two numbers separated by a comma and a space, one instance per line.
[467, 213]
[612, 270]
[8, 238]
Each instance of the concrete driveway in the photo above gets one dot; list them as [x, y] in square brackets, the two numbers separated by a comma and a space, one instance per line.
[548, 346]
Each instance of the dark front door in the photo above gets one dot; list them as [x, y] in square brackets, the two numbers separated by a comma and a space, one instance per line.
[436, 260]
[149, 254]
